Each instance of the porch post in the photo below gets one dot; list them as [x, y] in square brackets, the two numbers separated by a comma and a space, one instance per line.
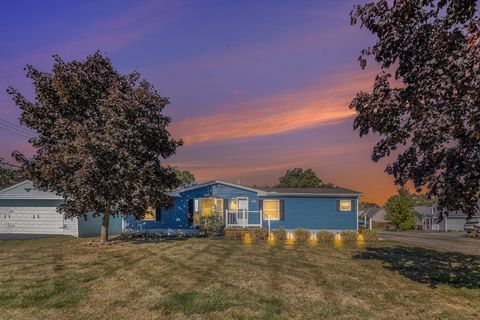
[261, 220]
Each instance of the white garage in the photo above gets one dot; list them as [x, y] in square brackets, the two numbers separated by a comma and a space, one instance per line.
[26, 210]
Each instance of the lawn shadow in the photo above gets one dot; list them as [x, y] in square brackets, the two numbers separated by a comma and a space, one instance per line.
[427, 266]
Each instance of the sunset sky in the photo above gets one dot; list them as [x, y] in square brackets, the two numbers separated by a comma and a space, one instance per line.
[256, 87]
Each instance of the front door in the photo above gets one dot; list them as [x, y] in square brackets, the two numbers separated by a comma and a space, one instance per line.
[242, 213]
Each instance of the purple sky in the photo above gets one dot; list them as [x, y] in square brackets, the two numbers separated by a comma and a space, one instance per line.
[256, 87]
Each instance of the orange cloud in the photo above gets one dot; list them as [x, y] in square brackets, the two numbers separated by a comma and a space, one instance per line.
[302, 109]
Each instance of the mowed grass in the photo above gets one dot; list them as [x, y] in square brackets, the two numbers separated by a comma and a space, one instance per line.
[69, 278]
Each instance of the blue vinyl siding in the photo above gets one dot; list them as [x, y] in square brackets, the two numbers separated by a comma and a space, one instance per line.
[316, 213]
[92, 226]
[300, 212]
[174, 218]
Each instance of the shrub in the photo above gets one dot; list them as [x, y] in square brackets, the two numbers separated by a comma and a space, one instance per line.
[302, 235]
[369, 235]
[324, 235]
[400, 210]
[260, 234]
[349, 236]
[127, 235]
[211, 226]
[280, 234]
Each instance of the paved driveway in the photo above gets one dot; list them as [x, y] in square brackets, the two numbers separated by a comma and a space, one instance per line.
[448, 241]
[23, 236]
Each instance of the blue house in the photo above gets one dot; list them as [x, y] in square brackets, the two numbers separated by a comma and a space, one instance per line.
[334, 209]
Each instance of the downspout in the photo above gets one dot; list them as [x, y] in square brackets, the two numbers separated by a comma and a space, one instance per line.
[357, 212]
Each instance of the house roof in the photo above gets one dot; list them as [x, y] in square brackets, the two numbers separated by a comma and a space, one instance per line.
[427, 211]
[26, 190]
[372, 212]
[264, 191]
[311, 191]
[212, 182]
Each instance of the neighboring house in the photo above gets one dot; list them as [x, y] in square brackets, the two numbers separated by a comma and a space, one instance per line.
[24, 209]
[239, 206]
[429, 218]
[373, 217]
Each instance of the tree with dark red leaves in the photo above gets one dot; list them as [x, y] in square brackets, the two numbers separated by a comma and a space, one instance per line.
[101, 139]
[426, 99]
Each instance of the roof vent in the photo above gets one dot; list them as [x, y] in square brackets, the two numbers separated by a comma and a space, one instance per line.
[28, 189]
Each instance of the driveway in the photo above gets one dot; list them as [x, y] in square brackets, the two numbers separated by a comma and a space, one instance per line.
[23, 236]
[448, 241]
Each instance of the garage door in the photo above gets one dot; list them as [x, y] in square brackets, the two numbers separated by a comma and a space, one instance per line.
[38, 220]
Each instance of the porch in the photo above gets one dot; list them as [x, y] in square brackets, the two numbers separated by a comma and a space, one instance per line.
[234, 212]
[243, 218]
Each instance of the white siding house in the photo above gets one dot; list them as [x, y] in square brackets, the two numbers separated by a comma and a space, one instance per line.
[26, 210]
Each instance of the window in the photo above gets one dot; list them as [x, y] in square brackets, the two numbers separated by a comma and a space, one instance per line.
[206, 207]
[233, 205]
[271, 209]
[345, 205]
[150, 214]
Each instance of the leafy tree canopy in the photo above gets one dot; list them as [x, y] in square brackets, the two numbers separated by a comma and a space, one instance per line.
[431, 48]
[101, 139]
[9, 175]
[365, 205]
[186, 177]
[297, 178]
[400, 210]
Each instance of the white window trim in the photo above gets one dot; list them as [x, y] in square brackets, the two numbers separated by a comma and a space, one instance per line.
[340, 205]
[271, 200]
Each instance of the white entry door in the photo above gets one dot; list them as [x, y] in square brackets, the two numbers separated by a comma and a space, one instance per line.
[242, 213]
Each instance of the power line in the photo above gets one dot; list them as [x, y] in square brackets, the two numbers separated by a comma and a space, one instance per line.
[10, 131]
[16, 126]
[3, 164]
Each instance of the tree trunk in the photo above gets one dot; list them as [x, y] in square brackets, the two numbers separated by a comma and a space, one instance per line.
[105, 222]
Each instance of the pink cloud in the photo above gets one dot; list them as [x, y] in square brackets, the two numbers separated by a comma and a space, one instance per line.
[305, 108]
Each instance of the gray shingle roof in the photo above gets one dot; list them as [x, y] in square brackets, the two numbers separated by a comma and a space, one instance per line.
[319, 191]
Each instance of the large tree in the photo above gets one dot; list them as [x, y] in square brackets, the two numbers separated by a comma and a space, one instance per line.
[9, 175]
[400, 210]
[425, 101]
[186, 177]
[101, 139]
[298, 178]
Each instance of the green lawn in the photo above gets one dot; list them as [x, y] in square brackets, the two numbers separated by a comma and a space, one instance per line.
[215, 279]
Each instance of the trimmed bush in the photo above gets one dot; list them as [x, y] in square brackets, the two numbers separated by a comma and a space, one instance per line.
[369, 235]
[280, 234]
[324, 235]
[211, 226]
[349, 236]
[260, 234]
[302, 235]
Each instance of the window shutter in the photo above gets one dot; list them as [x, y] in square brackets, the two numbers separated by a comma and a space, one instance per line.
[190, 212]
[158, 214]
[260, 207]
[190, 206]
[282, 210]
[225, 205]
[352, 206]
[338, 205]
